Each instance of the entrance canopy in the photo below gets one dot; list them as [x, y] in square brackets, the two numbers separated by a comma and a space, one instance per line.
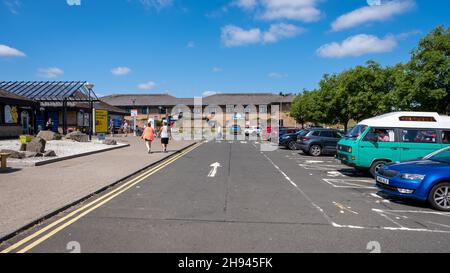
[51, 91]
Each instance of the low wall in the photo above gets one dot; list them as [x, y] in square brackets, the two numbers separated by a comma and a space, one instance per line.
[10, 131]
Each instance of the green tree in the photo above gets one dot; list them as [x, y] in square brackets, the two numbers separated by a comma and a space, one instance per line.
[307, 107]
[423, 84]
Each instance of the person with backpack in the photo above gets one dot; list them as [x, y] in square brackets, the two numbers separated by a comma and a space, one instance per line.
[148, 136]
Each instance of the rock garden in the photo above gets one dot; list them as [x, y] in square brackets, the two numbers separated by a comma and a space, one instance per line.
[48, 145]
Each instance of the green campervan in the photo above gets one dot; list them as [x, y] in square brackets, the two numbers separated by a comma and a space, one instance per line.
[393, 137]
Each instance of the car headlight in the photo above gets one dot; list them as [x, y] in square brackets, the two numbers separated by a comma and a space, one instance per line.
[410, 176]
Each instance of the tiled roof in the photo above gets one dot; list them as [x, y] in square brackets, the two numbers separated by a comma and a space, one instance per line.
[8, 95]
[217, 99]
[140, 99]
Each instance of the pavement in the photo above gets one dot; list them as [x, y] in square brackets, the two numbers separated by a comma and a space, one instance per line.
[280, 201]
[30, 193]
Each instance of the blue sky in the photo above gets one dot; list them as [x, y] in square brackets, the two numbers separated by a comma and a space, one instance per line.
[188, 47]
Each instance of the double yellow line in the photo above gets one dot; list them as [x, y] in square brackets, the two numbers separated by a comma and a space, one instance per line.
[86, 209]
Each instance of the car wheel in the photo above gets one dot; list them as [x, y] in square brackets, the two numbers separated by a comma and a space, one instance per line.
[439, 197]
[376, 167]
[292, 145]
[315, 150]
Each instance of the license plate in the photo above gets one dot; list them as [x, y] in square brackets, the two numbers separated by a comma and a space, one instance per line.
[383, 180]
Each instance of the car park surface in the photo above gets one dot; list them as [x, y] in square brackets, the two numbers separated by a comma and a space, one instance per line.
[278, 201]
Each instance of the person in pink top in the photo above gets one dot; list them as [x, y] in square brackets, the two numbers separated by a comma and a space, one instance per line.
[148, 135]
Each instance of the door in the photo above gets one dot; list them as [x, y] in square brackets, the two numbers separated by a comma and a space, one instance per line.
[55, 118]
[417, 143]
[329, 140]
[379, 144]
[25, 122]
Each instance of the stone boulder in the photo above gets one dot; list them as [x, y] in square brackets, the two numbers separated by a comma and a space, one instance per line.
[14, 154]
[23, 147]
[37, 145]
[109, 142]
[50, 153]
[32, 154]
[47, 135]
[78, 137]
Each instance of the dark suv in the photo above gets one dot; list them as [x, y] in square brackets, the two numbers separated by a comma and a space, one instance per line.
[316, 142]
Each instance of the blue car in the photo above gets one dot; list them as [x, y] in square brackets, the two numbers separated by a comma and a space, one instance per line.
[426, 179]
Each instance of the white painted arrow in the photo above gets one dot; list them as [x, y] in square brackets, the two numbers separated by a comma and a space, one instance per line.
[213, 171]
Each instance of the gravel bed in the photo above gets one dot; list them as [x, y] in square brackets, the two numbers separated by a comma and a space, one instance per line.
[62, 148]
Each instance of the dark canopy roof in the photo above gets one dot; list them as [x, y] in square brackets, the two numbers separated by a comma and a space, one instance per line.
[9, 97]
[50, 91]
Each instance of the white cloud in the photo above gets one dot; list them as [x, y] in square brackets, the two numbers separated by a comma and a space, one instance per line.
[13, 5]
[216, 69]
[147, 86]
[358, 45]
[51, 72]
[121, 71]
[373, 13]
[6, 51]
[74, 2]
[245, 4]
[281, 31]
[190, 44]
[277, 75]
[157, 4]
[301, 10]
[210, 93]
[233, 36]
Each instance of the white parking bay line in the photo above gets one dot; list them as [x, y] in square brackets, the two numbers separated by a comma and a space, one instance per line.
[350, 183]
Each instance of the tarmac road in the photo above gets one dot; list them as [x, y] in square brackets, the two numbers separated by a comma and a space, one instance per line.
[279, 201]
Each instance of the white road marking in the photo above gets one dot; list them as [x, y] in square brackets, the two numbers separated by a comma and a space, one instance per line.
[213, 171]
[313, 161]
[349, 183]
[343, 208]
[243, 142]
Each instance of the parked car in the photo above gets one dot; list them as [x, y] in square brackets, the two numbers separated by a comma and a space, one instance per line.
[290, 140]
[252, 131]
[235, 130]
[277, 134]
[426, 179]
[392, 137]
[316, 142]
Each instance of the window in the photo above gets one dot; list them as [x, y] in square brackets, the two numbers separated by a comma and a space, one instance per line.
[336, 134]
[421, 119]
[441, 156]
[314, 133]
[380, 135]
[419, 136]
[446, 137]
[263, 109]
[326, 134]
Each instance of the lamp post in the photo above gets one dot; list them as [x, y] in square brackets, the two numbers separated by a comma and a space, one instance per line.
[134, 118]
[89, 87]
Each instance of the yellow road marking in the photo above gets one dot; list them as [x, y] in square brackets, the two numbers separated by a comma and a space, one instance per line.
[128, 184]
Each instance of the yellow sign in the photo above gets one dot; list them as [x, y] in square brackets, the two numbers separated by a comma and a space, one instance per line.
[101, 121]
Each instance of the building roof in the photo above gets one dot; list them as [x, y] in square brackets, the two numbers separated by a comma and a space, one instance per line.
[50, 91]
[217, 99]
[11, 97]
[140, 99]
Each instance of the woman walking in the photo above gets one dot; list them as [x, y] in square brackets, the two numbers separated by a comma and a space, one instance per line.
[148, 135]
[165, 134]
